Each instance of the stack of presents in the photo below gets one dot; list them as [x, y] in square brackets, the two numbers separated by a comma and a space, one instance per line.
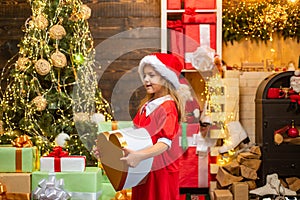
[192, 28]
[58, 175]
[25, 175]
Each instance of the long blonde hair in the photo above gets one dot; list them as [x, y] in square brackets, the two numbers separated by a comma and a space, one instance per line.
[179, 101]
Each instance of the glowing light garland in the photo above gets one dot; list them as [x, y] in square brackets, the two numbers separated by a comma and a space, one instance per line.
[42, 96]
[259, 20]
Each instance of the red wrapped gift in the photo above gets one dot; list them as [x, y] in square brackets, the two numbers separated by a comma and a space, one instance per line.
[173, 4]
[198, 35]
[200, 4]
[199, 18]
[200, 30]
[176, 39]
[60, 161]
[193, 168]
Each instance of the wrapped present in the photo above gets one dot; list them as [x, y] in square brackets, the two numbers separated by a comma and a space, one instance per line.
[79, 185]
[17, 185]
[175, 29]
[18, 159]
[197, 35]
[193, 167]
[200, 30]
[173, 4]
[60, 161]
[191, 17]
[113, 125]
[200, 4]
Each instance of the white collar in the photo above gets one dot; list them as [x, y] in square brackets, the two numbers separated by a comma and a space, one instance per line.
[152, 105]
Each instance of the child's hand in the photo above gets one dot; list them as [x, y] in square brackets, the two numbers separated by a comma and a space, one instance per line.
[96, 152]
[131, 157]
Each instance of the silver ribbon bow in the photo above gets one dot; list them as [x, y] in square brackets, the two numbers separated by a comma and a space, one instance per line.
[51, 189]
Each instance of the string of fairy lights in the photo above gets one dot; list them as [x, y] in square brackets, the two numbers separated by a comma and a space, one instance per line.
[260, 20]
[52, 79]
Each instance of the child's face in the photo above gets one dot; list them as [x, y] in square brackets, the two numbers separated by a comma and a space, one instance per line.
[153, 81]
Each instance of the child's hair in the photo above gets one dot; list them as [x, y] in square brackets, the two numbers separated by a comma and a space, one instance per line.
[179, 102]
[169, 68]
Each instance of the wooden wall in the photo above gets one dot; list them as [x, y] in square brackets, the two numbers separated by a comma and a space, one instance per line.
[117, 27]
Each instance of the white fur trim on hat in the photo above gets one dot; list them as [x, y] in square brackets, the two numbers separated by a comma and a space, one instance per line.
[159, 67]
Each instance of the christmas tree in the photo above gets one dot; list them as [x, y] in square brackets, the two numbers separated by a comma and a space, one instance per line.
[52, 91]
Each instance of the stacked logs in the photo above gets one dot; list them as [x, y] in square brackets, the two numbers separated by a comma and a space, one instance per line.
[242, 168]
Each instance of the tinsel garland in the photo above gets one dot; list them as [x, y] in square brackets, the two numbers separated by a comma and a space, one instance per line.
[260, 20]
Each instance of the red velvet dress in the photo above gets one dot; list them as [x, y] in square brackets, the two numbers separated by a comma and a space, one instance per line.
[162, 182]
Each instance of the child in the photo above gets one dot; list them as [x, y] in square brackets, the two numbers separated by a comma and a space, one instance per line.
[160, 114]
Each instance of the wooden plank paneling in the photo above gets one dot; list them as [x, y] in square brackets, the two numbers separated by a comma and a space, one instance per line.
[119, 9]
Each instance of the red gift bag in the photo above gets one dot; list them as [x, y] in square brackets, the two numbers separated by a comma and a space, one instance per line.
[200, 4]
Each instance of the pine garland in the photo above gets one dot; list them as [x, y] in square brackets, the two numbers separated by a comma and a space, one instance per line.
[259, 21]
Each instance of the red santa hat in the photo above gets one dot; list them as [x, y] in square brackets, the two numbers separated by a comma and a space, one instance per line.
[167, 65]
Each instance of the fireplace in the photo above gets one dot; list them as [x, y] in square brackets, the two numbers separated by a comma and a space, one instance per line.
[271, 115]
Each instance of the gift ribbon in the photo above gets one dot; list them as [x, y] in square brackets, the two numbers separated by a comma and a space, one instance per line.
[192, 13]
[20, 142]
[123, 195]
[184, 142]
[57, 153]
[86, 195]
[2, 191]
[51, 189]
[114, 125]
[204, 40]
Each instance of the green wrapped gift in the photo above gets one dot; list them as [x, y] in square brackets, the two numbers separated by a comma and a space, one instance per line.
[108, 192]
[113, 125]
[18, 159]
[80, 185]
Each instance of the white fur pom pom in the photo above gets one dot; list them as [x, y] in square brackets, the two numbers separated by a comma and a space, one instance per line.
[185, 92]
[297, 72]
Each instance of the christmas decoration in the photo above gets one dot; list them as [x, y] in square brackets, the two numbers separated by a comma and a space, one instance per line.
[293, 132]
[42, 67]
[259, 20]
[22, 63]
[203, 59]
[53, 81]
[57, 32]
[58, 59]
[40, 103]
[41, 22]
[61, 139]
[84, 12]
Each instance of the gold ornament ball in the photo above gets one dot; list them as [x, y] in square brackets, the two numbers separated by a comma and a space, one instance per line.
[40, 102]
[59, 59]
[42, 67]
[57, 32]
[22, 63]
[41, 22]
[85, 12]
